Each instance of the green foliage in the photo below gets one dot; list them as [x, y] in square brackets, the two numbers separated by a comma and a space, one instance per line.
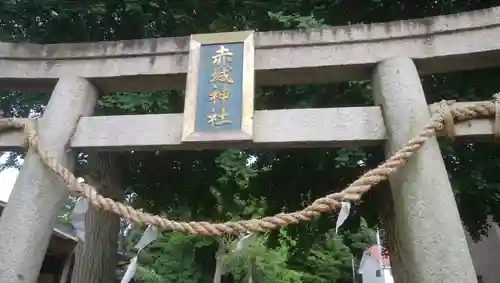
[148, 275]
[172, 257]
[359, 240]
[298, 21]
[328, 261]
[65, 217]
[140, 103]
[10, 161]
[184, 258]
[222, 185]
[270, 264]
[350, 157]
[134, 102]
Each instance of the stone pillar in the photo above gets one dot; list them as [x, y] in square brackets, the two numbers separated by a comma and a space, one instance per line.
[38, 194]
[431, 240]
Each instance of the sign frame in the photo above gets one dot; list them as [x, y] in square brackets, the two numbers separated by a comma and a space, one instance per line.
[245, 133]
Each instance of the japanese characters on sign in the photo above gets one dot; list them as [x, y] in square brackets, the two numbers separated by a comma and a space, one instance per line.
[221, 77]
[219, 92]
[219, 89]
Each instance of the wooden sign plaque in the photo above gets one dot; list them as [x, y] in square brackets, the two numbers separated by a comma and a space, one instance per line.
[220, 88]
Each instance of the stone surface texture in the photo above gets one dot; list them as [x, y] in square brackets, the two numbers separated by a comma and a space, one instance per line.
[281, 57]
[346, 126]
[427, 223]
[39, 194]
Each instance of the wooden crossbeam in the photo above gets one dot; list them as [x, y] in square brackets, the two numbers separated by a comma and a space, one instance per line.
[324, 127]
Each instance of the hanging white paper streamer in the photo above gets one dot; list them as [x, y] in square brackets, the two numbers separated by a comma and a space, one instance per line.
[129, 274]
[241, 242]
[78, 217]
[147, 238]
[343, 214]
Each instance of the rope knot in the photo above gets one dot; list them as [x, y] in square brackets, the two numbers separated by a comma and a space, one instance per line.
[496, 129]
[444, 109]
[31, 138]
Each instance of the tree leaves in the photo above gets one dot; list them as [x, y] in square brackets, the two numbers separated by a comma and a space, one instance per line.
[295, 20]
[223, 185]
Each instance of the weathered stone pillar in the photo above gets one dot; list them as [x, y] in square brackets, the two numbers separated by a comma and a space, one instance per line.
[38, 195]
[431, 241]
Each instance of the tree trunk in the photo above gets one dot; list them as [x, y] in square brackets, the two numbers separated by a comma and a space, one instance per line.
[219, 264]
[218, 271]
[251, 270]
[96, 258]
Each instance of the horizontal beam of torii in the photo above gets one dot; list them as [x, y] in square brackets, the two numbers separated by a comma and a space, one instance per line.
[440, 44]
[320, 127]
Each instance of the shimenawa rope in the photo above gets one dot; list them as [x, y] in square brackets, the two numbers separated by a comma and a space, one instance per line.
[447, 114]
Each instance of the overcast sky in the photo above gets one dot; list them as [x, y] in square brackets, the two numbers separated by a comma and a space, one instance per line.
[7, 179]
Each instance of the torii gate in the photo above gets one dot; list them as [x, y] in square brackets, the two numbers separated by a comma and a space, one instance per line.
[393, 54]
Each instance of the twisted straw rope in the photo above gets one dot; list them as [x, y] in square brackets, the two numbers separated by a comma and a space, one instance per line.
[324, 204]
